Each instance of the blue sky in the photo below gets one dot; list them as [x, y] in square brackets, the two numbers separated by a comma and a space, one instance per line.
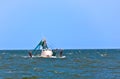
[76, 24]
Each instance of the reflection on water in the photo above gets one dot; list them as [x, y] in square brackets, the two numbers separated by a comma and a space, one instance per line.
[78, 64]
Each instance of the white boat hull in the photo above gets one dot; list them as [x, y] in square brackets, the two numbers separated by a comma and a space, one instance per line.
[46, 53]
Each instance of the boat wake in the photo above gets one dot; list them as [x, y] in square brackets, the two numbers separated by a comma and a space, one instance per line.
[37, 56]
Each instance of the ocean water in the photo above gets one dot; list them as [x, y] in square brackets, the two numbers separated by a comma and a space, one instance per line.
[78, 64]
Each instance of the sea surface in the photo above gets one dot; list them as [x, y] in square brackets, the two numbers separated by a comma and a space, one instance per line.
[78, 64]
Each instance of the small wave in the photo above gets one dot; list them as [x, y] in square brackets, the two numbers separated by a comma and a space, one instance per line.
[26, 56]
[103, 55]
[38, 69]
[79, 51]
[56, 72]
[4, 53]
[14, 55]
[10, 72]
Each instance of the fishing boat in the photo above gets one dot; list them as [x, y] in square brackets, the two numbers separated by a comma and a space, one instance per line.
[45, 51]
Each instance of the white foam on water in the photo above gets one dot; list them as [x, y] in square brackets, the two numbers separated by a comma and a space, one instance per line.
[4, 53]
[37, 56]
[103, 55]
[58, 57]
[31, 57]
